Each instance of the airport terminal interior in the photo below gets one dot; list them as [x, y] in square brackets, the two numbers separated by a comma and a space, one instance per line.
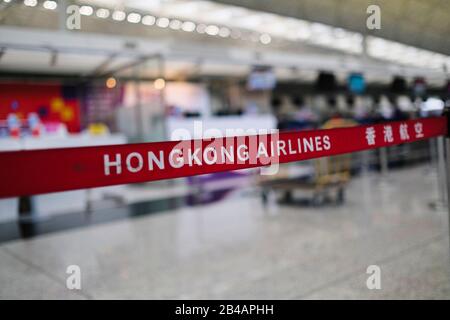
[93, 73]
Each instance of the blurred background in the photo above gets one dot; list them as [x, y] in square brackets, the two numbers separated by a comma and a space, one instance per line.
[97, 72]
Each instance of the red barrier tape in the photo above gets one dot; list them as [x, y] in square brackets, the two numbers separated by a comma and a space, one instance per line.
[42, 171]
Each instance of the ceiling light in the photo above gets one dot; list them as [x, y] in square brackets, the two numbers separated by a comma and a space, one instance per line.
[436, 60]
[224, 32]
[340, 33]
[394, 51]
[86, 10]
[159, 84]
[119, 15]
[252, 21]
[134, 17]
[226, 14]
[303, 33]
[162, 22]
[102, 13]
[30, 3]
[188, 26]
[50, 5]
[201, 28]
[212, 30]
[175, 24]
[111, 83]
[323, 39]
[148, 20]
[265, 38]
[320, 28]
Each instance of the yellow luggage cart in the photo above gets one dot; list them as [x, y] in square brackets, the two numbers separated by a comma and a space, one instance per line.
[331, 175]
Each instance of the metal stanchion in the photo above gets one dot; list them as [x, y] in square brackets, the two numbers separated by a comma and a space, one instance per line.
[433, 153]
[447, 149]
[27, 216]
[442, 165]
[27, 212]
[384, 170]
[447, 164]
[384, 162]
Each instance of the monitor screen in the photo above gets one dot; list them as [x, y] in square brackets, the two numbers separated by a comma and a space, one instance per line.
[356, 83]
[261, 80]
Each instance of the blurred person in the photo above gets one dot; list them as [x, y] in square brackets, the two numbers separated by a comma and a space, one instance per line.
[303, 112]
[385, 110]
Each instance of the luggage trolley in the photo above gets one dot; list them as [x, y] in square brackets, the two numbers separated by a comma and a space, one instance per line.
[330, 176]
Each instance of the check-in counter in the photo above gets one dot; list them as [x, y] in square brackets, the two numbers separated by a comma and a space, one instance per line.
[60, 202]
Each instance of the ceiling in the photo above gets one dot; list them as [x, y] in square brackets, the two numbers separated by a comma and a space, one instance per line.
[33, 40]
[420, 23]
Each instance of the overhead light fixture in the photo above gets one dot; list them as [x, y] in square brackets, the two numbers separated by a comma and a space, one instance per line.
[86, 10]
[134, 17]
[201, 28]
[224, 32]
[265, 38]
[212, 30]
[148, 20]
[50, 5]
[239, 23]
[175, 24]
[320, 28]
[303, 33]
[111, 83]
[30, 3]
[119, 15]
[102, 13]
[235, 22]
[397, 52]
[188, 26]
[159, 84]
[252, 21]
[162, 22]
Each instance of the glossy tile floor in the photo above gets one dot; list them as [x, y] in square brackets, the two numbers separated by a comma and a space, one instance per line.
[238, 249]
